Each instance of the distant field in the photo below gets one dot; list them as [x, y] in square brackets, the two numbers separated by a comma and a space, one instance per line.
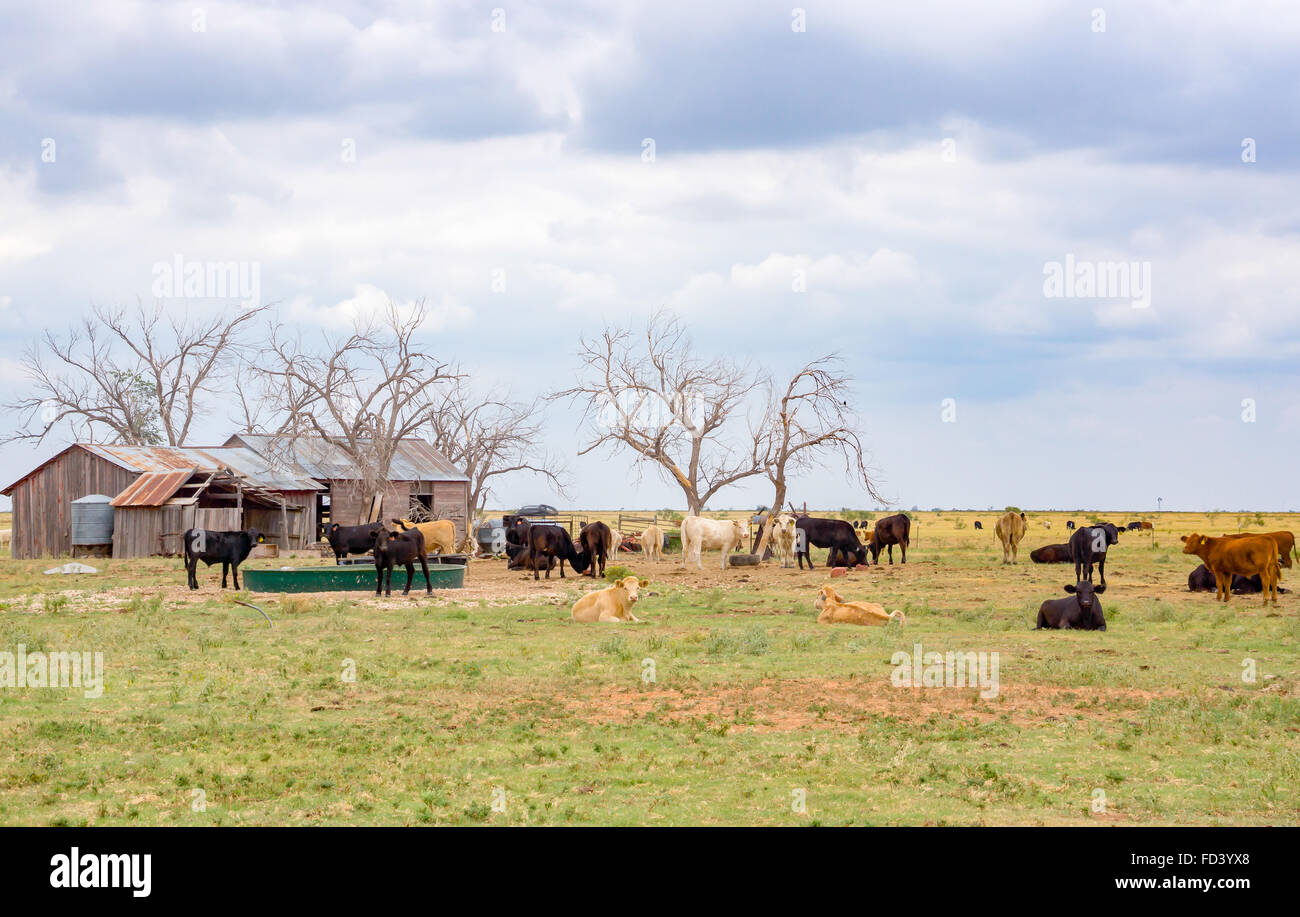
[488, 706]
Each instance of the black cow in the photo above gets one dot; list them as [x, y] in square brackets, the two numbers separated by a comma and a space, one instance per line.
[1051, 554]
[835, 534]
[230, 549]
[1134, 527]
[520, 558]
[596, 540]
[979, 525]
[1070, 525]
[890, 531]
[352, 539]
[404, 548]
[1088, 546]
[1202, 580]
[544, 541]
[1081, 611]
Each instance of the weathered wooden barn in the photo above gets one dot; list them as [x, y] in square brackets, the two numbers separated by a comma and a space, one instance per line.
[158, 492]
[419, 474]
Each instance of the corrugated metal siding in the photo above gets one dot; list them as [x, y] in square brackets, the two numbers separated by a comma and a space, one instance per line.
[154, 488]
[42, 501]
[415, 459]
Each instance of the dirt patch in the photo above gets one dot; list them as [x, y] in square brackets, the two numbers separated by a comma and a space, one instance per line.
[841, 705]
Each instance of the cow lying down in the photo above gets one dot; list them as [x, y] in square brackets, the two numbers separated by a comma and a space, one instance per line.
[609, 606]
[1081, 611]
[834, 610]
[1202, 580]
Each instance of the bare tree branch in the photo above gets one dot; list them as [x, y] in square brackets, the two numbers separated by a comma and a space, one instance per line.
[671, 407]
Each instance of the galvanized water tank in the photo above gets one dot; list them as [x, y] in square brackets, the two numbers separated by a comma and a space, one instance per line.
[92, 520]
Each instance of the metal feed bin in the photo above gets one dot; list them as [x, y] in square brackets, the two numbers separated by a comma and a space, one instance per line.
[491, 537]
[92, 526]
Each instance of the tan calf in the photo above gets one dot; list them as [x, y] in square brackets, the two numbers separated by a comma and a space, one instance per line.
[652, 543]
[439, 536]
[835, 610]
[609, 606]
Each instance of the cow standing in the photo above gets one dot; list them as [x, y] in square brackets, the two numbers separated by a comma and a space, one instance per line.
[1088, 546]
[836, 535]
[596, 539]
[890, 531]
[700, 535]
[230, 549]
[404, 548]
[1255, 554]
[352, 539]
[1010, 530]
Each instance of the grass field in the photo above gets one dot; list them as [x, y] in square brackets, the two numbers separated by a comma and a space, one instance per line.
[488, 706]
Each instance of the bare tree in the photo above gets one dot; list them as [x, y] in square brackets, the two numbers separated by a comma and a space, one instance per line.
[807, 424]
[365, 391]
[490, 436]
[672, 408]
[138, 378]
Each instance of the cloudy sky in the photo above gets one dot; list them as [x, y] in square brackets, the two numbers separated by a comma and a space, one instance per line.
[920, 165]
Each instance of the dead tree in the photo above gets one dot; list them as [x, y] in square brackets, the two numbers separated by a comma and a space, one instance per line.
[490, 436]
[806, 425]
[138, 378]
[365, 391]
[676, 411]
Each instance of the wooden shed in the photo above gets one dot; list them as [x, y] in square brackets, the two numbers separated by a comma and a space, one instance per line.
[158, 492]
[419, 474]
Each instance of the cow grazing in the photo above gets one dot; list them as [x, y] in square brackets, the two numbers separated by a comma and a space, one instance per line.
[1047, 523]
[545, 541]
[439, 535]
[1010, 530]
[1134, 527]
[394, 549]
[783, 535]
[1285, 544]
[230, 549]
[700, 535]
[1254, 554]
[834, 610]
[834, 534]
[352, 539]
[890, 531]
[979, 525]
[596, 540]
[1088, 546]
[1081, 611]
[609, 606]
[1051, 554]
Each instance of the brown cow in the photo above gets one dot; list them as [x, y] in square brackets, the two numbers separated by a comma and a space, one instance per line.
[1285, 544]
[1010, 529]
[1052, 554]
[1244, 556]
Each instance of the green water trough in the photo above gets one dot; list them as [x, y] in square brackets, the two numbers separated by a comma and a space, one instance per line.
[356, 578]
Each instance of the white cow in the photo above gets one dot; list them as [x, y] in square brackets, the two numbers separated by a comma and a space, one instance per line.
[652, 543]
[783, 534]
[700, 535]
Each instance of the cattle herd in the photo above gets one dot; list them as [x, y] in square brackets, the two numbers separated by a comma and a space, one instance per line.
[1240, 563]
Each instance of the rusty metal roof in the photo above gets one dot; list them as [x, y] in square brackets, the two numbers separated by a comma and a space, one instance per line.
[153, 488]
[323, 459]
[258, 471]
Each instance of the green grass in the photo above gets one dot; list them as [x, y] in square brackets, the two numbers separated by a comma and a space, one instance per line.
[457, 705]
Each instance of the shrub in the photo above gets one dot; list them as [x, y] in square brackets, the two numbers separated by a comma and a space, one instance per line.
[618, 572]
